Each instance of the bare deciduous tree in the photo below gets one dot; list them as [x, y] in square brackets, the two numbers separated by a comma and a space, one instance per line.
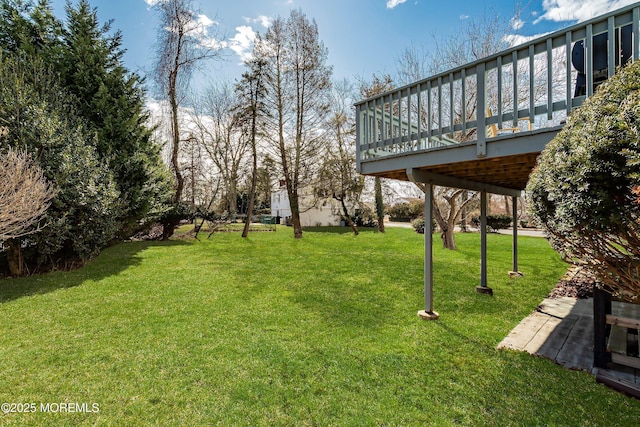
[475, 40]
[378, 85]
[297, 81]
[338, 178]
[183, 42]
[25, 195]
[223, 139]
[251, 113]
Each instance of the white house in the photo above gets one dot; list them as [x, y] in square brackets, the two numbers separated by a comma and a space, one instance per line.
[324, 213]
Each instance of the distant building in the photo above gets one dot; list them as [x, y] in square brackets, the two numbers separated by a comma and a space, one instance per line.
[323, 213]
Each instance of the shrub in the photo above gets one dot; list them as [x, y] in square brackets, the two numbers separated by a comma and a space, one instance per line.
[418, 225]
[365, 217]
[585, 190]
[498, 222]
[405, 212]
[494, 222]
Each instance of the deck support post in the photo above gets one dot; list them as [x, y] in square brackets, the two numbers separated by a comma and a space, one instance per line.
[601, 307]
[483, 288]
[428, 312]
[514, 205]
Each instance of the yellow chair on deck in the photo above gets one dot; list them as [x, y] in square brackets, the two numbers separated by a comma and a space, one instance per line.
[494, 131]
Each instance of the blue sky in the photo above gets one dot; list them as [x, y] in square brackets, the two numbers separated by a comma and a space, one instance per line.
[363, 36]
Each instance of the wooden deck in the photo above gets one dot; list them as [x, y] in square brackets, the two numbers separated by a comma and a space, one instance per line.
[562, 330]
[507, 165]
[466, 127]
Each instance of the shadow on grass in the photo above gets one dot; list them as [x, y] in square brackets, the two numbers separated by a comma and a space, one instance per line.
[339, 230]
[477, 344]
[110, 262]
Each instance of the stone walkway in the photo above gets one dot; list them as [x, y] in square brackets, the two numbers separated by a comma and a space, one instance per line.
[561, 329]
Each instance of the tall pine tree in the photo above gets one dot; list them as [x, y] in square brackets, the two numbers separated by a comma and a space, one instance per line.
[66, 97]
[111, 99]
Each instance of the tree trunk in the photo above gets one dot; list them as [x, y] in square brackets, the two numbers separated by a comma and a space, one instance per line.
[448, 239]
[463, 213]
[233, 198]
[379, 204]
[175, 161]
[507, 210]
[169, 225]
[295, 215]
[345, 216]
[252, 195]
[254, 177]
[446, 225]
[14, 257]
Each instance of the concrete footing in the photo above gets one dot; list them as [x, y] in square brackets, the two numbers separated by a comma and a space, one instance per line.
[426, 315]
[484, 290]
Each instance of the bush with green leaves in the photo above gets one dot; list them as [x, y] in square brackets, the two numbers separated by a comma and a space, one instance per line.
[494, 222]
[418, 225]
[406, 212]
[365, 217]
[67, 99]
[40, 121]
[585, 190]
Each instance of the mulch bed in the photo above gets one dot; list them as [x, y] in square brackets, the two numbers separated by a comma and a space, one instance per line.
[576, 283]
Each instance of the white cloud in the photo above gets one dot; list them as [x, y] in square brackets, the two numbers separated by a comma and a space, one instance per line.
[578, 10]
[393, 3]
[204, 21]
[516, 40]
[464, 17]
[516, 23]
[199, 28]
[242, 42]
[152, 2]
[263, 20]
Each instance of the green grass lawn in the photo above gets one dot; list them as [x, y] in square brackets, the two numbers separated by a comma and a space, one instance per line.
[275, 331]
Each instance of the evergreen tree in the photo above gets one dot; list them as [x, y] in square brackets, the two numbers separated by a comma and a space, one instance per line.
[28, 29]
[38, 119]
[251, 111]
[66, 98]
[111, 99]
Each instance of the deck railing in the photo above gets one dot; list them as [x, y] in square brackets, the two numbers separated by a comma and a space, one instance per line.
[541, 81]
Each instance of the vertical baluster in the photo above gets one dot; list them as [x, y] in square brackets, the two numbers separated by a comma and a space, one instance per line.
[440, 107]
[569, 97]
[419, 118]
[549, 80]
[388, 125]
[429, 114]
[398, 133]
[451, 109]
[363, 139]
[636, 33]
[481, 77]
[463, 107]
[500, 112]
[611, 37]
[379, 125]
[409, 131]
[588, 50]
[514, 61]
[532, 71]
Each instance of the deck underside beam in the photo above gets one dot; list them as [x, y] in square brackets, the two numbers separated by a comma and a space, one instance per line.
[508, 163]
[425, 177]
